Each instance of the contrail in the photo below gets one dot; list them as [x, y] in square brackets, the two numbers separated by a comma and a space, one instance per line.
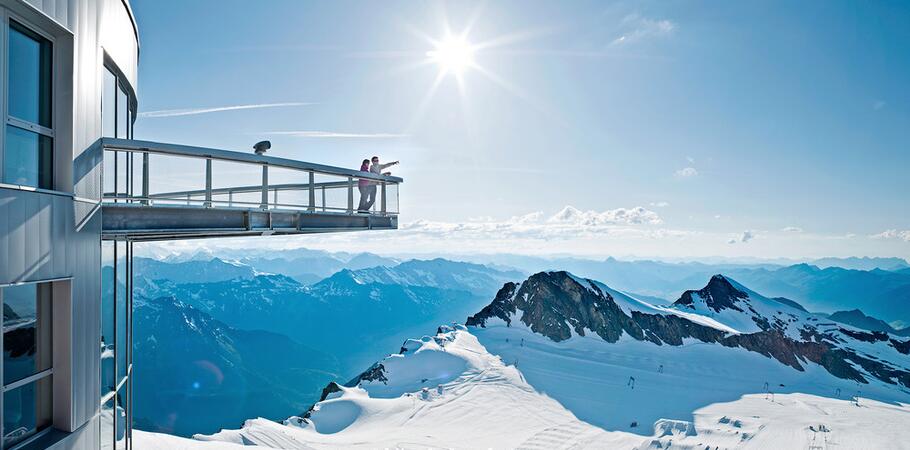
[194, 111]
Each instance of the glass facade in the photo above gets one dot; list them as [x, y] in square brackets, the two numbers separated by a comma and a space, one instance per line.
[27, 361]
[29, 134]
[116, 275]
[116, 343]
[116, 301]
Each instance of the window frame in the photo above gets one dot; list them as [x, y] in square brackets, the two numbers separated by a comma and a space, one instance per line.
[122, 386]
[24, 26]
[123, 164]
[36, 377]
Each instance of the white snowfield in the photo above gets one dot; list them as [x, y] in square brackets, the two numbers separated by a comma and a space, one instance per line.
[462, 389]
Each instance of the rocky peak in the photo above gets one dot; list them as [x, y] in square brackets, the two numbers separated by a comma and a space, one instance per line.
[719, 294]
[556, 304]
[559, 305]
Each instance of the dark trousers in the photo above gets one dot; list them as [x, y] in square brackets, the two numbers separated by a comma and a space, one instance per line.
[367, 197]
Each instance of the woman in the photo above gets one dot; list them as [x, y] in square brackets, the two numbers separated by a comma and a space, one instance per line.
[364, 185]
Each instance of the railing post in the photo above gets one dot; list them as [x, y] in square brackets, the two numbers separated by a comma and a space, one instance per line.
[312, 191]
[350, 195]
[208, 183]
[230, 199]
[382, 201]
[323, 198]
[265, 187]
[145, 178]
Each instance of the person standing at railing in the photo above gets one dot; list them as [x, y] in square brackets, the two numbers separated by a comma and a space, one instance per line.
[376, 168]
[363, 185]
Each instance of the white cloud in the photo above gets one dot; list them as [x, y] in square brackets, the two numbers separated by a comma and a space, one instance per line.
[568, 224]
[636, 28]
[632, 216]
[686, 172]
[903, 235]
[660, 204]
[743, 238]
[334, 134]
[792, 230]
[194, 111]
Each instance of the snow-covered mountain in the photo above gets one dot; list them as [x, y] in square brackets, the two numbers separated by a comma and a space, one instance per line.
[559, 361]
[723, 313]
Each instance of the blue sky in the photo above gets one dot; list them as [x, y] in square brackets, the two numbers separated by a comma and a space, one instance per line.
[767, 129]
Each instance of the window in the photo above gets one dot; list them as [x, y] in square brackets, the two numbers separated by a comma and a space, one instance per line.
[116, 267]
[116, 344]
[27, 361]
[116, 120]
[29, 134]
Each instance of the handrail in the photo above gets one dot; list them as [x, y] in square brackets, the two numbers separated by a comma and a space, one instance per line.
[125, 175]
[251, 188]
[132, 145]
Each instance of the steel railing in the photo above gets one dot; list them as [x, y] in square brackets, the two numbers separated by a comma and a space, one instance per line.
[152, 173]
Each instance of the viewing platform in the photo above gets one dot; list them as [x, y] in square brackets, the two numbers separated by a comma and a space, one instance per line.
[157, 191]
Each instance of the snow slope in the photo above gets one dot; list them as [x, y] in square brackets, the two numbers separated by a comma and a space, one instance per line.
[471, 400]
[591, 377]
[474, 400]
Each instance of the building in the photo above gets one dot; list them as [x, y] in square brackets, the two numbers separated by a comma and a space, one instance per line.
[77, 191]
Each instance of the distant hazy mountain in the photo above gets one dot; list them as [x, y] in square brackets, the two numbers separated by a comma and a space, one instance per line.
[355, 313]
[438, 272]
[881, 293]
[864, 263]
[192, 270]
[857, 319]
[194, 373]
[310, 268]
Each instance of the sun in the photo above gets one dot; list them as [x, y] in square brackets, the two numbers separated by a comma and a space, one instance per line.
[453, 54]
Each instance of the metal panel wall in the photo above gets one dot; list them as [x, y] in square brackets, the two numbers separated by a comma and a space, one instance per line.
[39, 239]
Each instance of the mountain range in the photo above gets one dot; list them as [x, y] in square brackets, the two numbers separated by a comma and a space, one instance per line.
[882, 293]
[561, 360]
[216, 309]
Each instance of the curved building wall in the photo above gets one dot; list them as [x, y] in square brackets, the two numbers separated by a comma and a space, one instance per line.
[51, 237]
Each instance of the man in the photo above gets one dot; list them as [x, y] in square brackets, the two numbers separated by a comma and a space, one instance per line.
[376, 168]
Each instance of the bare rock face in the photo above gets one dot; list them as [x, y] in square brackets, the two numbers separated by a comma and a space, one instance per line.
[501, 307]
[557, 304]
[719, 294]
[375, 373]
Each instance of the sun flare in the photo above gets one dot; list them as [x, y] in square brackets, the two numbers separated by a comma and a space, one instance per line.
[453, 54]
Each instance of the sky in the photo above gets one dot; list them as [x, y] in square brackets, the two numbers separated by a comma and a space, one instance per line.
[649, 129]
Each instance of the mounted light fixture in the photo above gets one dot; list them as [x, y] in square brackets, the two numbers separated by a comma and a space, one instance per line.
[261, 147]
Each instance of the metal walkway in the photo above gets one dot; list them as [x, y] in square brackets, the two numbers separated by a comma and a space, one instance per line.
[156, 191]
